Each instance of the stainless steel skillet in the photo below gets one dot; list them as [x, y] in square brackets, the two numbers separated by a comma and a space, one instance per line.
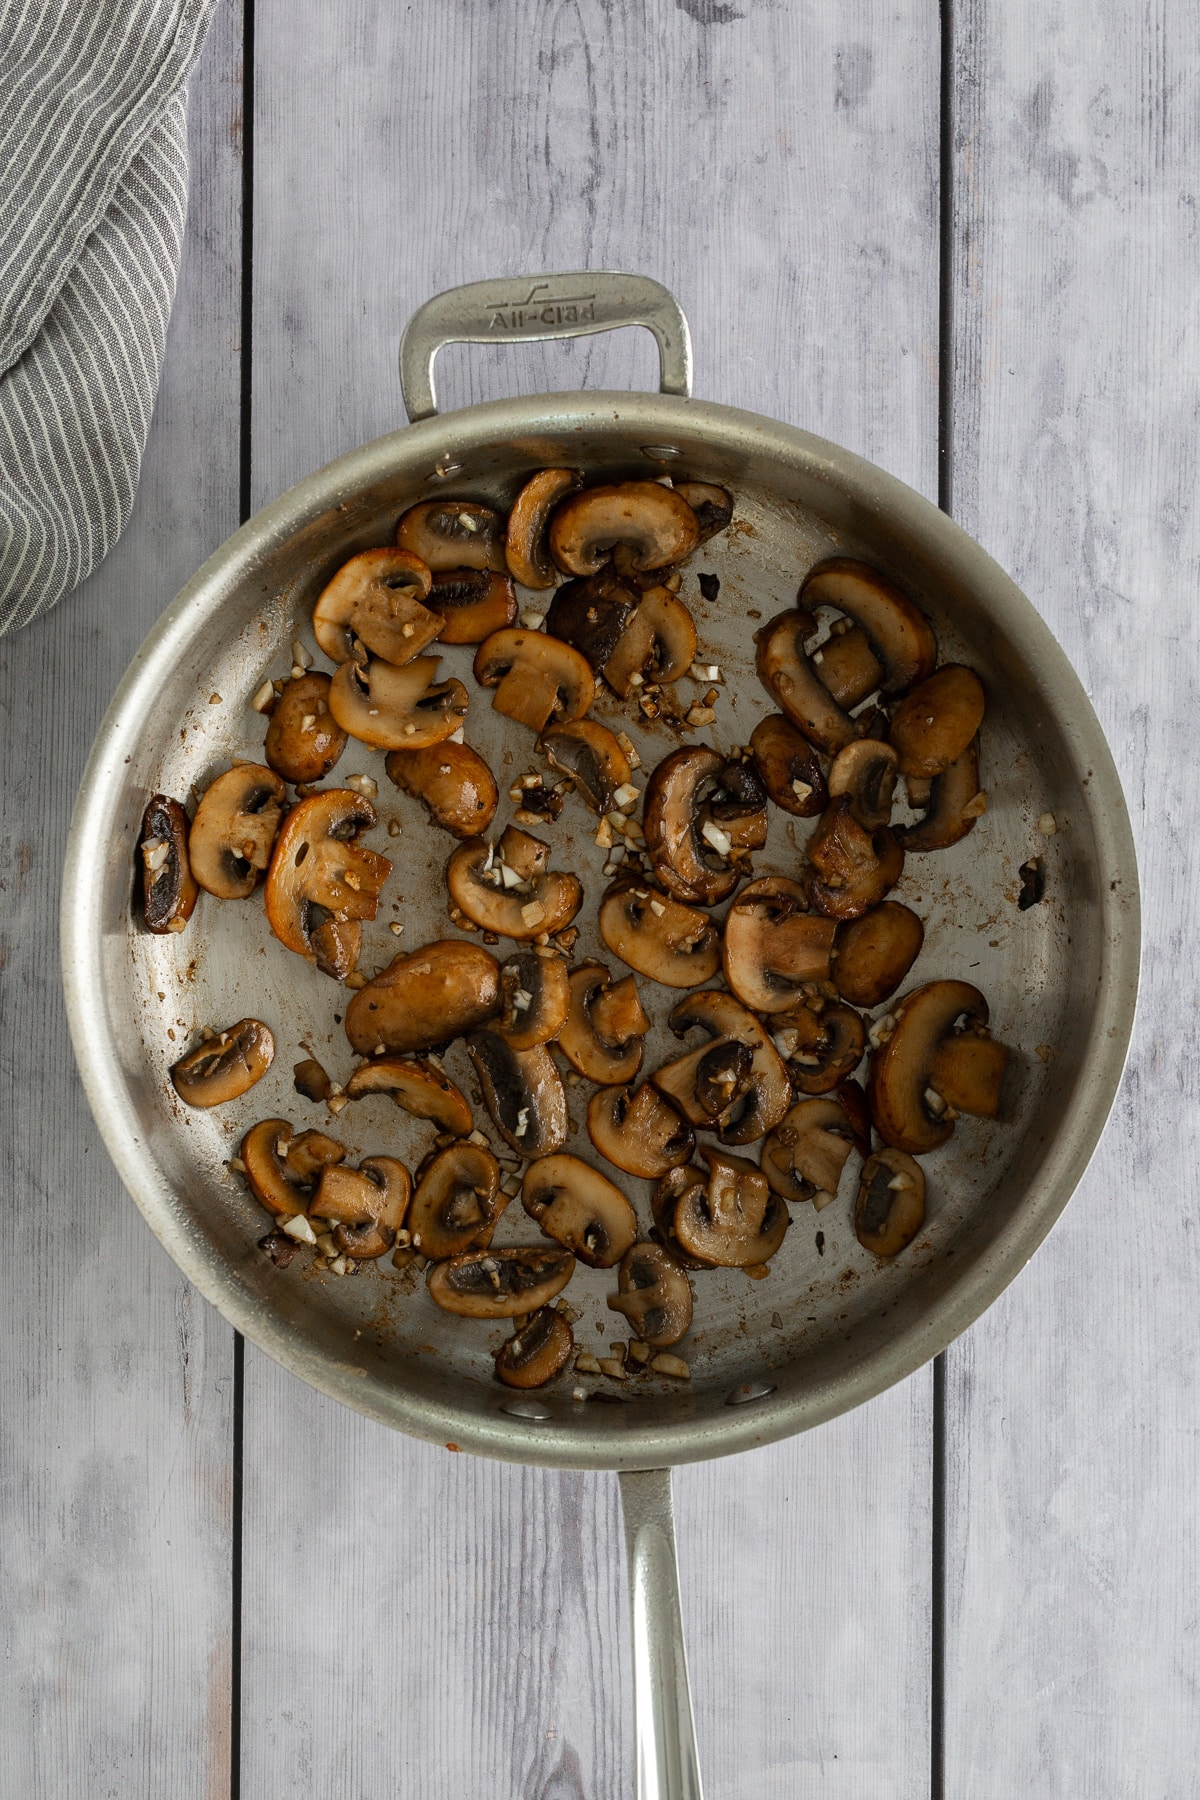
[830, 1326]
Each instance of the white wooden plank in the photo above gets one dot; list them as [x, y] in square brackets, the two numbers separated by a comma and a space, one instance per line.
[777, 167]
[115, 1384]
[1073, 1567]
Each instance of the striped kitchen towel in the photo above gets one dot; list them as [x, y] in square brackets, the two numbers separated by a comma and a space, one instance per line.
[93, 196]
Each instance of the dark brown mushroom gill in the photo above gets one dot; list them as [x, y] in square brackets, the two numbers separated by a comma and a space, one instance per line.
[536, 1353]
[457, 1201]
[500, 1284]
[654, 1294]
[169, 890]
[580, 1208]
[234, 830]
[225, 1065]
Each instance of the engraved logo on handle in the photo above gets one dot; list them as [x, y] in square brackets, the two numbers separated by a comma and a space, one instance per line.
[540, 307]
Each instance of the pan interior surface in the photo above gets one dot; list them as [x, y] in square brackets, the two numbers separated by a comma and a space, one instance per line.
[830, 1324]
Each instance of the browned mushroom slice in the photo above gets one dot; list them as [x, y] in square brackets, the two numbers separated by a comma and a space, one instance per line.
[454, 783]
[592, 614]
[536, 677]
[855, 867]
[224, 1066]
[472, 603]
[311, 1079]
[712, 505]
[579, 1208]
[499, 1284]
[663, 1201]
[890, 1208]
[280, 1169]
[638, 1130]
[789, 767]
[934, 724]
[872, 955]
[731, 1220]
[654, 1294]
[657, 526]
[523, 1091]
[424, 1092]
[909, 1111]
[457, 1201]
[900, 636]
[365, 1206]
[536, 995]
[526, 545]
[310, 1153]
[426, 998]
[804, 1156]
[374, 603]
[396, 709]
[169, 890]
[508, 889]
[824, 1042]
[865, 774]
[304, 740]
[736, 809]
[657, 645]
[659, 937]
[953, 804]
[454, 534]
[605, 1025]
[691, 866]
[592, 756]
[790, 679]
[235, 826]
[737, 1085]
[322, 879]
[773, 945]
[847, 667]
[538, 1352]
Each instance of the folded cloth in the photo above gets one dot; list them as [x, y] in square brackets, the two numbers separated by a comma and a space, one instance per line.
[93, 196]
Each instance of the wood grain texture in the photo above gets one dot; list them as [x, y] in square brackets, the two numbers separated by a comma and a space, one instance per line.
[1073, 1608]
[777, 167]
[115, 1380]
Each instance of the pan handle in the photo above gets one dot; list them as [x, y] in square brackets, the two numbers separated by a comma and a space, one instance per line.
[667, 1764]
[531, 308]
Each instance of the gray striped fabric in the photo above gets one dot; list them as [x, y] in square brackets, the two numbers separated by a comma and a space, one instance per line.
[93, 195]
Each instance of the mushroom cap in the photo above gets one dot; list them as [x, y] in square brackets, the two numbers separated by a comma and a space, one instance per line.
[457, 1201]
[874, 953]
[374, 600]
[790, 679]
[686, 863]
[658, 527]
[235, 826]
[536, 678]
[659, 937]
[454, 534]
[439, 992]
[827, 1043]
[732, 1219]
[934, 724]
[472, 603]
[808, 1149]
[538, 1352]
[865, 773]
[396, 709]
[536, 992]
[526, 546]
[740, 1097]
[583, 1038]
[591, 612]
[658, 643]
[712, 505]
[424, 1092]
[901, 1068]
[169, 890]
[953, 806]
[280, 1168]
[855, 867]
[319, 869]
[788, 765]
[654, 1294]
[455, 784]
[499, 1284]
[900, 635]
[546, 903]
[523, 1091]
[639, 1131]
[304, 740]
[365, 1206]
[773, 944]
[592, 756]
[580, 1208]
[890, 1207]
[224, 1066]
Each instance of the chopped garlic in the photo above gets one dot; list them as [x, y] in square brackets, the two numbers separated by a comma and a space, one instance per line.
[264, 697]
[394, 828]
[1047, 824]
[823, 1198]
[533, 621]
[802, 790]
[586, 1364]
[522, 1122]
[308, 721]
[604, 835]
[456, 736]
[522, 1000]
[608, 1365]
[365, 785]
[300, 656]
[665, 1364]
[396, 928]
[881, 1030]
[533, 913]
[509, 877]
[657, 908]
[720, 840]
[626, 795]
[300, 1229]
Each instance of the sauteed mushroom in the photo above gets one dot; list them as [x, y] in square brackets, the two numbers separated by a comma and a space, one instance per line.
[699, 809]
[789, 767]
[396, 709]
[525, 900]
[934, 724]
[536, 993]
[663, 1201]
[658, 936]
[454, 783]
[169, 890]
[322, 882]
[658, 644]
[235, 826]
[736, 1086]
[731, 1219]
[538, 1352]
[846, 666]
[790, 679]
[652, 520]
[593, 758]
[654, 1294]
[304, 740]
[453, 534]
[457, 1201]
[773, 945]
[281, 1169]
[418, 1089]
[855, 867]
[472, 603]
[224, 1066]
[439, 992]
[374, 604]
[580, 1208]
[638, 1131]
[591, 614]
[499, 1284]
[536, 677]
[365, 1206]
[526, 545]
[873, 954]
[900, 636]
[713, 506]
[605, 1025]
[890, 1208]
[928, 1071]
[865, 773]
[523, 1091]
[954, 804]
[805, 1154]
[824, 1041]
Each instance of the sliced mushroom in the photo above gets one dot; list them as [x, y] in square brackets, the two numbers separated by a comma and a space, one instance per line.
[322, 882]
[638, 1131]
[526, 545]
[657, 645]
[773, 945]
[591, 614]
[953, 805]
[901, 636]
[235, 826]
[605, 1025]
[789, 767]
[824, 1041]
[663, 1201]
[847, 667]
[579, 1208]
[536, 993]
[472, 604]
[527, 902]
[280, 1169]
[457, 1201]
[865, 774]
[169, 890]
[426, 998]
[934, 724]
[424, 1092]
[304, 740]
[792, 682]
[855, 1102]
[523, 1091]
[396, 709]
[873, 954]
[890, 1208]
[807, 1151]
[658, 527]
[737, 1085]
[454, 534]
[374, 604]
[701, 811]
[536, 677]
[855, 867]
[457, 788]
[731, 1219]
[592, 756]
[654, 1295]
[499, 1284]
[311, 1152]
[311, 1080]
[538, 1352]
[712, 505]
[365, 1206]
[909, 1109]
[659, 937]
[224, 1066]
